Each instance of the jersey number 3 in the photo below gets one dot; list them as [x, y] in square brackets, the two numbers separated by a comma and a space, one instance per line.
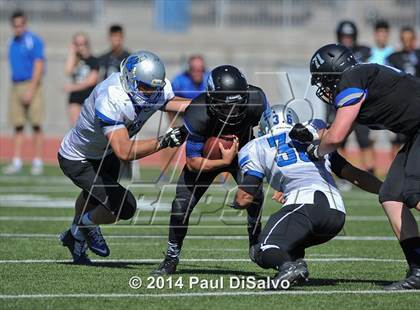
[287, 155]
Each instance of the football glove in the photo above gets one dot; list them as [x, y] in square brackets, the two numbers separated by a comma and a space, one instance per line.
[301, 133]
[312, 152]
[173, 137]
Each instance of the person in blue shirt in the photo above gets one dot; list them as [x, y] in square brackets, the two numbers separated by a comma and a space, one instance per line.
[192, 82]
[27, 61]
[382, 49]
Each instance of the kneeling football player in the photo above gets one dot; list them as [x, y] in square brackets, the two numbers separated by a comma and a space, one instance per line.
[90, 153]
[313, 211]
[229, 107]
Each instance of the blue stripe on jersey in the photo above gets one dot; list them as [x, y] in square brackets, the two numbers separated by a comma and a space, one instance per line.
[349, 96]
[105, 120]
[318, 124]
[194, 149]
[255, 173]
[244, 160]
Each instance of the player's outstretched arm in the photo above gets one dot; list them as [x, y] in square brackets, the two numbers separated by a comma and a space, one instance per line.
[362, 179]
[339, 130]
[248, 189]
[177, 104]
[126, 149]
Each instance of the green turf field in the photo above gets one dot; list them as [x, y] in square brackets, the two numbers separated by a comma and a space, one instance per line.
[348, 272]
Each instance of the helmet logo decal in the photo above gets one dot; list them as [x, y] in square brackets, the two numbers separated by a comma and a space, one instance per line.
[131, 63]
[318, 61]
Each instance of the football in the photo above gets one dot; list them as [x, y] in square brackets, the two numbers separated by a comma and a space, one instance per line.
[211, 148]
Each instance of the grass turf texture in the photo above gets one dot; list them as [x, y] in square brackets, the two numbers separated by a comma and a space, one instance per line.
[35, 274]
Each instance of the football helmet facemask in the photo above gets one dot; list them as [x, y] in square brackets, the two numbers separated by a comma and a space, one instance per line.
[227, 95]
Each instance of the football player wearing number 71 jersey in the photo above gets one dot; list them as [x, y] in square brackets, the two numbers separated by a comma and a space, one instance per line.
[313, 212]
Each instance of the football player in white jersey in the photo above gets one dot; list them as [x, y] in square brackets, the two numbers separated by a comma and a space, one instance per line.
[90, 153]
[313, 210]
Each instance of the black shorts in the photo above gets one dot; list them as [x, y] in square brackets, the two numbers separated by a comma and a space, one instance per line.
[403, 180]
[80, 96]
[98, 180]
[299, 226]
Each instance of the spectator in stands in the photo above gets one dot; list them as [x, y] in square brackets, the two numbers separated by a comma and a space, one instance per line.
[347, 35]
[191, 83]
[27, 63]
[382, 49]
[407, 60]
[83, 69]
[110, 61]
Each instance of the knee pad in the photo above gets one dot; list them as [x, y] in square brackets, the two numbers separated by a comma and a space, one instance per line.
[411, 200]
[128, 207]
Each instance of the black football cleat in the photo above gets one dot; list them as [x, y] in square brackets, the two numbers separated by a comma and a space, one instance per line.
[95, 240]
[166, 267]
[293, 272]
[411, 282]
[76, 247]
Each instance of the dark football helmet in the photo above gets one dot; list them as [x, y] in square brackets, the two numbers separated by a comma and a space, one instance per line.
[227, 94]
[346, 28]
[327, 65]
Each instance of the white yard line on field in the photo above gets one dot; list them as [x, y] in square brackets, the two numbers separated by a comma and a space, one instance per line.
[211, 294]
[200, 260]
[54, 236]
[147, 206]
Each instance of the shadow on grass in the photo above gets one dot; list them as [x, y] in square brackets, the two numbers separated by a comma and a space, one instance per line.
[212, 271]
[122, 265]
[326, 282]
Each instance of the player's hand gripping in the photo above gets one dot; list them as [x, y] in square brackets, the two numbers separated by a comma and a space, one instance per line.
[301, 133]
[228, 155]
[173, 137]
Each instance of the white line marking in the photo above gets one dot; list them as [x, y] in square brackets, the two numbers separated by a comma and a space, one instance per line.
[53, 236]
[211, 294]
[201, 260]
[148, 207]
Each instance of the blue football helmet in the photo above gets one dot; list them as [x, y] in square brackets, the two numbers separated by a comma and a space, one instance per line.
[277, 117]
[143, 70]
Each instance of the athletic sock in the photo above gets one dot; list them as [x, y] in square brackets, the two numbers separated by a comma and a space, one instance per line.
[87, 220]
[411, 249]
[75, 231]
[174, 249]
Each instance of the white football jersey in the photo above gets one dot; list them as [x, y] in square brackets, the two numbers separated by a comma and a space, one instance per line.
[288, 169]
[106, 109]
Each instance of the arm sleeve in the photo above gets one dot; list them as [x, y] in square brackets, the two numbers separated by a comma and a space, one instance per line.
[338, 162]
[168, 91]
[250, 184]
[107, 112]
[351, 89]
[38, 50]
[194, 146]
[249, 160]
